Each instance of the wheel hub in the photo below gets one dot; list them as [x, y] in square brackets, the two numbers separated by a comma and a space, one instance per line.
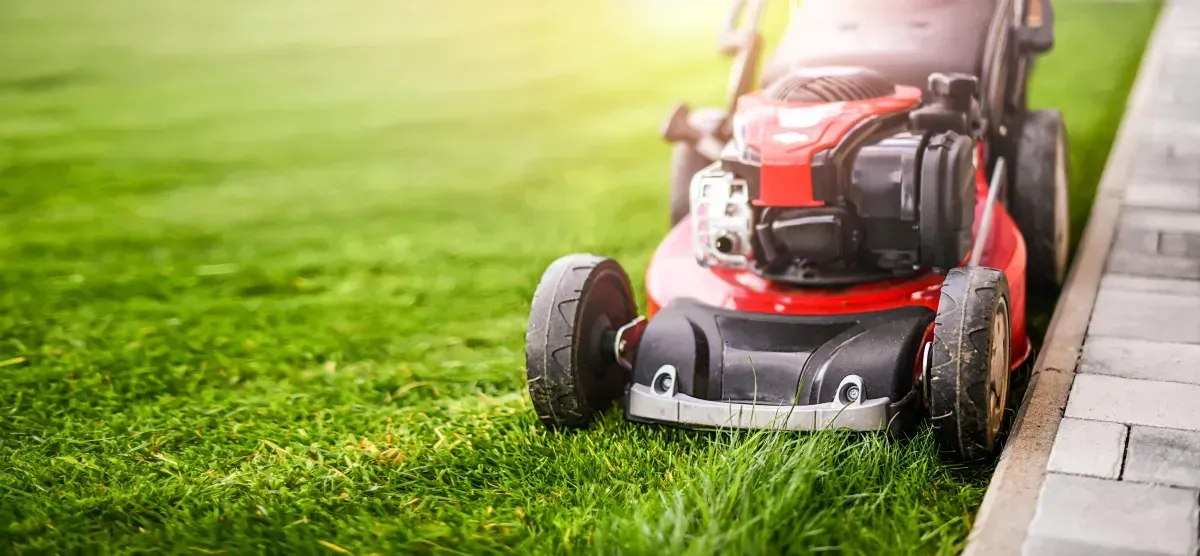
[1062, 217]
[998, 369]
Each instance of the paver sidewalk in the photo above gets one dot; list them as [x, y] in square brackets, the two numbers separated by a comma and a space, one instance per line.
[1123, 474]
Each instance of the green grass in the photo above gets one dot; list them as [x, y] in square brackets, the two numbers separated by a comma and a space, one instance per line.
[265, 268]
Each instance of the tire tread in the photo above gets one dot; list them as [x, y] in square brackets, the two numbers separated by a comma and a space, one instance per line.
[559, 397]
[1033, 195]
[959, 376]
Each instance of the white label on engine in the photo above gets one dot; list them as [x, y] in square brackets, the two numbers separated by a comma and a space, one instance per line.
[808, 116]
[790, 138]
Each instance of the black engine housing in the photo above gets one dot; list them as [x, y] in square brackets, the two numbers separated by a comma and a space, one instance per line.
[906, 203]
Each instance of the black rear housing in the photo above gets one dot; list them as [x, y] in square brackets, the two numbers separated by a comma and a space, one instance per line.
[904, 202]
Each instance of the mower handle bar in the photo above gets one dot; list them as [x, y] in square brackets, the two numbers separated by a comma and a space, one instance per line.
[985, 227]
[734, 38]
[1036, 32]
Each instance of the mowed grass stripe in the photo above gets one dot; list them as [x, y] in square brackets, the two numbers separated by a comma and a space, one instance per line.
[265, 268]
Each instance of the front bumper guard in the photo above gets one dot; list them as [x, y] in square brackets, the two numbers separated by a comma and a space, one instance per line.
[645, 405]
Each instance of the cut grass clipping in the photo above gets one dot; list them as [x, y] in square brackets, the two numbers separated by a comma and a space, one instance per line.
[266, 267]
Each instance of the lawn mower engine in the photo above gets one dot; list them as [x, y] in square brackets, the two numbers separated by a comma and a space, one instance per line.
[827, 182]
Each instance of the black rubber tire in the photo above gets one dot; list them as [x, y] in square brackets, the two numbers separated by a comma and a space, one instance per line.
[968, 387]
[1040, 198]
[578, 305]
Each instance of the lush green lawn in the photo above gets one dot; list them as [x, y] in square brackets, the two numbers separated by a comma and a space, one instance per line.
[265, 267]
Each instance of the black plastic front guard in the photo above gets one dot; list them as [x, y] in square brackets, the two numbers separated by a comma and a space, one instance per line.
[755, 370]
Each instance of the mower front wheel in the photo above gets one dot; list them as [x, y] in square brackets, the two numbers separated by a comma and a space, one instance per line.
[580, 303]
[969, 376]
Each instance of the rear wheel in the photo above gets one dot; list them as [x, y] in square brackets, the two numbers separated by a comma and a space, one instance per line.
[1040, 198]
[570, 362]
[686, 161]
[971, 353]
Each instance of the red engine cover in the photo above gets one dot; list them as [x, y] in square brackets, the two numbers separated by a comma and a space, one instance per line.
[787, 135]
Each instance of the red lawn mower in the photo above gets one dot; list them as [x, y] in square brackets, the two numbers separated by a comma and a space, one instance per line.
[852, 241]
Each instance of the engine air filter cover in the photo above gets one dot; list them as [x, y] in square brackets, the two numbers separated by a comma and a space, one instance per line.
[825, 84]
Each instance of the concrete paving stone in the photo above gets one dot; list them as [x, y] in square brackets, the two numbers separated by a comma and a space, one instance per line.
[1151, 403]
[1093, 448]
[1169, 151]
[1178, 196]
[1164, 457]
[1179, 244]
[1137, 240]
[1183, 44]
[1162, 317]
[1171, 171]
[1158, 219]
[1172, 101]
[1174, 107]
[1097, 517]
[1169, 109]
[1141, 359]
[1168, 159]
[1182, 25]
[1176, 66]
[1150, 285]
[1175, 94]
[1167, 92]
[1180, 45]
[1168, 129]
[1128, 262]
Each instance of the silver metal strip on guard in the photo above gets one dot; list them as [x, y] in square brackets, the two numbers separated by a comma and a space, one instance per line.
[642, 402]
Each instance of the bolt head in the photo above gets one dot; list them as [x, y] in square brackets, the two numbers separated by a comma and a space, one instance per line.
[663, 384]
[852, 393]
